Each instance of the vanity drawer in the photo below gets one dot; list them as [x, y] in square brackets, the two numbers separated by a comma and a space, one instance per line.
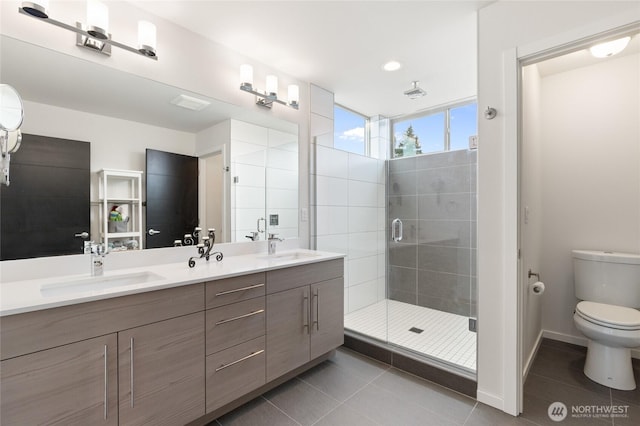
[288, 278]
[34, 331]
[235, 372]
[231, 290]
[233, 324]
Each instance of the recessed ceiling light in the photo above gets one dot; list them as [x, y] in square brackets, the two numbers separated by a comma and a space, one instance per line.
[609, 48]
[392, 66]
[191, 103]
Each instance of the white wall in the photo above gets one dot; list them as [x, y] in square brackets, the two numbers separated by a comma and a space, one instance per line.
[527, 27]
[591, 174]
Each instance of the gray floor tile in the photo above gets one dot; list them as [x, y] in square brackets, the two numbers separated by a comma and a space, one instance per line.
[361, 366]
[258, 412]
[566, 366]
[483, 415]
[536, 411]
[428, 395]
[302, 402]
[345, 416]
[392, 410]
[333, 380]
[551, 390]
[631, 417]
[632, 397]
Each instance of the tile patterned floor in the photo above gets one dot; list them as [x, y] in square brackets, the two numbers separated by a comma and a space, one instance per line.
[446, 336]
[353, 390]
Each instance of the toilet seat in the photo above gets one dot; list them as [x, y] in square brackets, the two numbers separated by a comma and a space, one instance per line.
[612, 316]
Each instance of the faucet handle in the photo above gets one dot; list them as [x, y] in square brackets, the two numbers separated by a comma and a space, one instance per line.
[274, 236]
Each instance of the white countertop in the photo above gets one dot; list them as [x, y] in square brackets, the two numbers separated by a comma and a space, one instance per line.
[33, 295]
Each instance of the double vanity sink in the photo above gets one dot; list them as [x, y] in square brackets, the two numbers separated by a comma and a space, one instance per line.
[30, 295]
[165, 344]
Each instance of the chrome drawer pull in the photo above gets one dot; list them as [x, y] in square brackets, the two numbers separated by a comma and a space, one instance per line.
[251, 355]
[222, 293]
[250, 314]
[131, 370]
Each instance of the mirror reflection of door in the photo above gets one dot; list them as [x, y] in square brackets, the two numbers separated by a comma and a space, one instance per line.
[171, 197]
[212, 187]
[47, 203]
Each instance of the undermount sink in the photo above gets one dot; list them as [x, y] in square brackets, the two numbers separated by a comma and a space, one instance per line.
[290, 255]
[98, 283]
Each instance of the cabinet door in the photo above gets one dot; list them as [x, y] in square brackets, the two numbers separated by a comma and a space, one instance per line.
[287, 331]
[327, 314]
[69, 385]
[161, 372]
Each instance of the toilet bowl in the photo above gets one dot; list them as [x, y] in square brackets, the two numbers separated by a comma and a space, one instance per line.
[608, 285]
[612, 332]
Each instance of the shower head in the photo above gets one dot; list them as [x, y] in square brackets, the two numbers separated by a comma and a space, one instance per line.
[415, 92]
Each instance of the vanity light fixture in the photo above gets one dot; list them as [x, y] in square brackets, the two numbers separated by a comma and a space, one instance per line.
[95, 34]
[609, 48]
[270, 95]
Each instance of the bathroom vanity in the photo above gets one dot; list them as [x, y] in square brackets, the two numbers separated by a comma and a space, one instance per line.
[175, 346]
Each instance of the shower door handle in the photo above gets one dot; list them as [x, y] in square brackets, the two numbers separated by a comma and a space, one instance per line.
[396, 230]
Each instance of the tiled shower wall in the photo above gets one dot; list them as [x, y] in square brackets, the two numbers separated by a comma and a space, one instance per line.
[347, 205]
[435, 197]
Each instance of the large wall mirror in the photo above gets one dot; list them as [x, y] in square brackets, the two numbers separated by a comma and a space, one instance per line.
[247, 183]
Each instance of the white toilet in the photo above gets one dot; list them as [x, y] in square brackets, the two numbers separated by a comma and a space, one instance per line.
[608, 285]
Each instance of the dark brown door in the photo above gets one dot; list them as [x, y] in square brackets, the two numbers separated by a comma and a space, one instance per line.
[47, 202]
[172, 197]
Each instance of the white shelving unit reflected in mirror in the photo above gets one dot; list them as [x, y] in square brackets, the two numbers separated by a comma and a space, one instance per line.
[121, 209]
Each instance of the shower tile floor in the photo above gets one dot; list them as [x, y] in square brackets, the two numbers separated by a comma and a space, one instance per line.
[445, 336]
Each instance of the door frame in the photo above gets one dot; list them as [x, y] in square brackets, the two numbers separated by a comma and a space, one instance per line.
[513, 61]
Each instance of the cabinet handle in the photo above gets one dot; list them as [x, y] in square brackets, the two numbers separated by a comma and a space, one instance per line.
[250, 314]
[244, 358]
[305, 311]
[317, 297]
[222, 293]
[131, 368]
[106, 388]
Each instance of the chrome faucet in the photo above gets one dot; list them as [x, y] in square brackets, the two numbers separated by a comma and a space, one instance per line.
[98, 252]
[273, 239]
[254, 236]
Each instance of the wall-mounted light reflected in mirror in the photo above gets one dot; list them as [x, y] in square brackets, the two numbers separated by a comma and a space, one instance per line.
[11, 116]
[267, 97]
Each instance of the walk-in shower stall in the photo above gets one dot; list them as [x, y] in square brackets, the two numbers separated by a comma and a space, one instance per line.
[408, 226]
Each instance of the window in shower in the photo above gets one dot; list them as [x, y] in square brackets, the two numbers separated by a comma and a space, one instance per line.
[447, 129]
[350, 130]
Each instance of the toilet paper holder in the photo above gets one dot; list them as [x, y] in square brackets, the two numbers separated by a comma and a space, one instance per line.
[534, 274]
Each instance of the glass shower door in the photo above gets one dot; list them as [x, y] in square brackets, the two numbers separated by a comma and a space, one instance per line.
[431, 250]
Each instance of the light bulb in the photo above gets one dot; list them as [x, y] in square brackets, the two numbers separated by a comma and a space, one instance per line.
[146, 38]
[293, 94]
[97, 19]
[37, 8]
[272, 86]
[609, 48]
[246, 76]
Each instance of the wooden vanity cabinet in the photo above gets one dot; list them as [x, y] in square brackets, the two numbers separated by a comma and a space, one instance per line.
[65, 365]
[74, 384]
[304, 314]
[160, 369]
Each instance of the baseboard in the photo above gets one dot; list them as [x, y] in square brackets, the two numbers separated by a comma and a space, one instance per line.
[490, 399]
[577, 340]
[532, 356]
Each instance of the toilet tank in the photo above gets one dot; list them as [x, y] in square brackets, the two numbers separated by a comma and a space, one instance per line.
[607, 277]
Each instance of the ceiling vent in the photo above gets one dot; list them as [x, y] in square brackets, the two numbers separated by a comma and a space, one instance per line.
[415, 92]
[191, 103]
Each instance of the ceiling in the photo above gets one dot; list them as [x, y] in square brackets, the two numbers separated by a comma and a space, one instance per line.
[342, 45]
